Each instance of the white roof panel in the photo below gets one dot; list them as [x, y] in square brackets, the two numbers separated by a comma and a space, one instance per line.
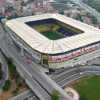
[44, 45]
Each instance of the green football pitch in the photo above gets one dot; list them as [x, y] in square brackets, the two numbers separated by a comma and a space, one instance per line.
[49, 31]
[53, 35]
[88, 88]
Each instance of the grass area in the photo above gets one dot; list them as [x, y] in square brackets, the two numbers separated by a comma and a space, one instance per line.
[46, 27]
[7, 85]
[49, 31]
[53, 35]
[88, 88]
[55, 95]
[41, 28]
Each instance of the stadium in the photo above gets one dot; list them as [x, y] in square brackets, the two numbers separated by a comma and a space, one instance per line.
[53, 40]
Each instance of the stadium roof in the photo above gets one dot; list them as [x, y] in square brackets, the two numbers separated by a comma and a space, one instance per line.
[44, 45]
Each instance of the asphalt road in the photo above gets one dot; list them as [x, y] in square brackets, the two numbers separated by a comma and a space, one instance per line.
[75, 73]
[25, 95]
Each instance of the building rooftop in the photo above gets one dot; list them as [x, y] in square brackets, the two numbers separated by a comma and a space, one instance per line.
[42, 44]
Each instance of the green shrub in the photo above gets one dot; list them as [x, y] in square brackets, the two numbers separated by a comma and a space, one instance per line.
[7, 85]
[55, 95]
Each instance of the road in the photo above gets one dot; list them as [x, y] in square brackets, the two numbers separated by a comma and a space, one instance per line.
[68, 76]
[4, 65]
[25, 95]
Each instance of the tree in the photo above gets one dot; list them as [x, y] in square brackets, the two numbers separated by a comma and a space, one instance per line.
[1, 73]
[12, 68]
[61, 12]
[7, 85]
[15, 91]
[55, 95]
[94, 20]
[79, 17]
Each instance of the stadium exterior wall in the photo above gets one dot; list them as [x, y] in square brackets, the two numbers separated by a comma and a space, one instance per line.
[71, 58]
[80, 60]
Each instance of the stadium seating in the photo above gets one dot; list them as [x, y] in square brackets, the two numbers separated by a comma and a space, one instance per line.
[66, 32]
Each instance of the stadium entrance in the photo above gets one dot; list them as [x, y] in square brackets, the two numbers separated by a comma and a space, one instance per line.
[44, 60]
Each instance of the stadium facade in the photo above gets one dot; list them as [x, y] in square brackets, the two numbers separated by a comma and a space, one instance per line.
[53, 40]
